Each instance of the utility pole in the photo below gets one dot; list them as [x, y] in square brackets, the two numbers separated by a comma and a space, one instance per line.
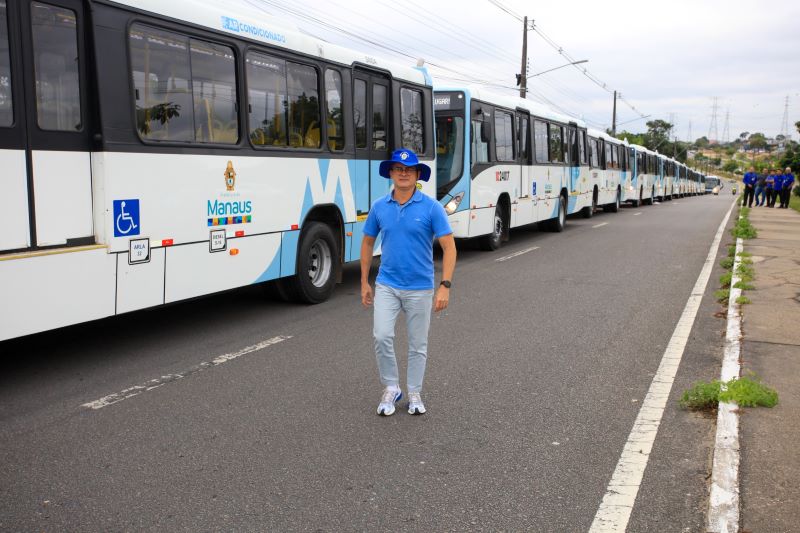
[689, 135]
[614, 117]
[523, 77]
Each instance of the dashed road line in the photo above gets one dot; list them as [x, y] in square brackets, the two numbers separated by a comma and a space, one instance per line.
[600, 225]
[639, 213]
[136, 390]
[516, 254]
[617, 505]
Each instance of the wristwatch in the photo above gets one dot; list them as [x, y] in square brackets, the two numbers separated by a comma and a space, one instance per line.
[446, 283]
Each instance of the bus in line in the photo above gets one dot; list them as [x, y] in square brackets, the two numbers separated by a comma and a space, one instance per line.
[159, 151]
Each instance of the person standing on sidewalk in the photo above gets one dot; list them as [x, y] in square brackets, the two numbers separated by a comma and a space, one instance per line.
[749, 185]
[776, 192]
[408, 222]
[760, 187]
[770, 184]
[786, 189]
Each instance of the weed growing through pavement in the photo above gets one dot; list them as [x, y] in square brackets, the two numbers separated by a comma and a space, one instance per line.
[743, 285]
[722, 295]
[727, 263]
[743, 229]
[743, 300]
[747, 391]
[725, 280]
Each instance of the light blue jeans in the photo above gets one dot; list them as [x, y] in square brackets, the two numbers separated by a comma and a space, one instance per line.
[417, 306]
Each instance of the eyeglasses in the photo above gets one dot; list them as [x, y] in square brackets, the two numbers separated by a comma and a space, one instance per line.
[402, 170]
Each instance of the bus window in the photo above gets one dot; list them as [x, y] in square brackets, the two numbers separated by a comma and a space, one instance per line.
[556, 144]
[504, 136]
[411, 124]
[360, 112]
[333, 102]
[304, 113]
[582, 147]
[479, 150]
[379, 115]
[614, 156]
[449, 151]
[609, 158]
[594, 152]
[55, 53]
[540, 141]
[266, 80]
[522, 137]
[6, 108]
[214, 92]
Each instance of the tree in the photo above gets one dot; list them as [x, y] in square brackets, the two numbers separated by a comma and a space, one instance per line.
[702, 142]
[757, 141]
[797, 125]
[730, 166]
[744, 135]
[657, 136]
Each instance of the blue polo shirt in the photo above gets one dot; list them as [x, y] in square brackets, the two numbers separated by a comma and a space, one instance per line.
[407, 233]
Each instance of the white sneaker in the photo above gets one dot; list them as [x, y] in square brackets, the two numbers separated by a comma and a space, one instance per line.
[389, 398]
[415, 405]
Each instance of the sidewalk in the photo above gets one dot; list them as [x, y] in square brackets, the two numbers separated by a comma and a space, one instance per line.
[770, 438]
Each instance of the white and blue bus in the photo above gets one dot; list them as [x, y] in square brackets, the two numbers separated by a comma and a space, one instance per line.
[158, 151]
[504, 161]
[647, 173]
[609, 169]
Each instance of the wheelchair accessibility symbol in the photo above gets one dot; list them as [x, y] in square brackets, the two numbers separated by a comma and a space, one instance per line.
[126, 218]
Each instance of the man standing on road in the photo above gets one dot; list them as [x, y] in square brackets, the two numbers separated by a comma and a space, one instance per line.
[749, 185]
[786, 190]
[408, 222]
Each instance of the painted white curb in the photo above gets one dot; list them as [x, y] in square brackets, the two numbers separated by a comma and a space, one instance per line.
[723, 505]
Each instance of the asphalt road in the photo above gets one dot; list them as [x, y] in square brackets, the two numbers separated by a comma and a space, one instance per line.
[535, 376]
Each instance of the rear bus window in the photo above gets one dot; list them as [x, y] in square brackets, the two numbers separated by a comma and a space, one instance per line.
[411, 120]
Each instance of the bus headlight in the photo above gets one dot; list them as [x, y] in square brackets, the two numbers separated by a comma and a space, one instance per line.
[453, 204]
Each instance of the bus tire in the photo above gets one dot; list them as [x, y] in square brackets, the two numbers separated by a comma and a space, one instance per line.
[649, 201]
[556, 225]
[613, 208]
[317, 266]
[588, 211]
[493, 240]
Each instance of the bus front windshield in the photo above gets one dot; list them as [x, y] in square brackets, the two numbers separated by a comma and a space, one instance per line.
[449, 152]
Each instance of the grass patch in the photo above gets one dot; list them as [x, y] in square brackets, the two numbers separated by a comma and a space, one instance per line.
[743, 285]
[743, 300]
[746, 391]
[725, 280]
[745, 254]
[745, 273]
[727, 263]
[722, 295]
[701, 396]
[731, 250]
[743, 229]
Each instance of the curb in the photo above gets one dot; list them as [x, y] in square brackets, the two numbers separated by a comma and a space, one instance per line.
[723, 506]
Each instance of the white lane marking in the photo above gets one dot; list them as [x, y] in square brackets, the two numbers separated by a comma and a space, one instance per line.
[639, 213]
[600, 225]
[617, 505]
[130, 392]
[723, 503]
[517, 254]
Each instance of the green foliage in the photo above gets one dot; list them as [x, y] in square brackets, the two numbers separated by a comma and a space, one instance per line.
[722, 295]
[731, 250]
[730, 166]
[745, 273]
[727, 263]
[725, 280]
[701, 396]
[743, 229]
[743, 285]
[745, 254]
[748, 391]
[743, 300]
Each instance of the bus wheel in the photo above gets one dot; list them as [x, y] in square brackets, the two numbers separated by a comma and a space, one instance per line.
[317, 266]
[493, 240]
[556, 225]
[613, 208]
[588, 211]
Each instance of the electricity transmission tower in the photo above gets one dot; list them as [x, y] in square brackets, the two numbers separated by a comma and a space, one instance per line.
[713, 133]
[726, 132]
[785, 121]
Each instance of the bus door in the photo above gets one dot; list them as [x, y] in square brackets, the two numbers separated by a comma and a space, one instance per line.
[371, 115]
[51, 110]
[525, 196]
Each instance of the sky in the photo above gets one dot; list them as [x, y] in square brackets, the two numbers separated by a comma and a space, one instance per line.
[669, 61]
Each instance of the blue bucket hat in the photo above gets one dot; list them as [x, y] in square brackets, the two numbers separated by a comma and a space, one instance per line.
[407, 158]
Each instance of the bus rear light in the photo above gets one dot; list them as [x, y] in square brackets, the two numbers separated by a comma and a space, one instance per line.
[166, 242]
[295, 226]
[234, 251]
[239, 233]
